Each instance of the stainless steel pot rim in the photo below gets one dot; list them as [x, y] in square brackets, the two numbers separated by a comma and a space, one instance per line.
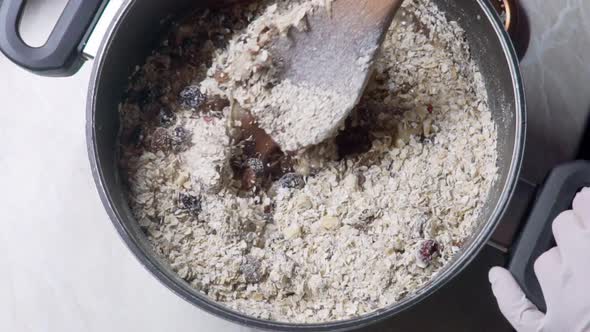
[167, 278]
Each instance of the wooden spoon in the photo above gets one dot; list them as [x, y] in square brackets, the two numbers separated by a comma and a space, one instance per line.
[336, 54]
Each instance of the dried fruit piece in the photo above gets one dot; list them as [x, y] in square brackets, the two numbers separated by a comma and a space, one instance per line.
[192, 97]
[181, 135]
[251, 269]
[160, 140]
[256, 164]
[429, 108]
[292, 181]
[180, 139]
[427, 251]
[190, 203]
[166, 117]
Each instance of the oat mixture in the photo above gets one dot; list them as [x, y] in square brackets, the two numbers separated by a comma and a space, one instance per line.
[294, 115]
[333, 232]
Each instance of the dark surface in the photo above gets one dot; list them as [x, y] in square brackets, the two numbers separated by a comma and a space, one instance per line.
[555, 196]
[466, 304]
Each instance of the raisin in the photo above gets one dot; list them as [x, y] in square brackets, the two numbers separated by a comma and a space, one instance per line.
[181, 135]
[160, 140]
[190, 203]
[192, 97]
[251, 269]
[428, 250]
[180, 139]
[292, 180]
[166, 117]
[256, 165]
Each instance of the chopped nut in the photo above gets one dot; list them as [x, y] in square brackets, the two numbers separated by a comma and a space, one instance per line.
[181, 179]
[330, 223]
[303, 202]
[292, 232]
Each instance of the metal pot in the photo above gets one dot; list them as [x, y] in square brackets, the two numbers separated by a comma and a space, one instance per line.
[129, 39]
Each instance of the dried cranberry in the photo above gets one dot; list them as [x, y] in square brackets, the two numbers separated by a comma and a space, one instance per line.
[428, 250]
[192, 97]
[190, 203]
[292, 180]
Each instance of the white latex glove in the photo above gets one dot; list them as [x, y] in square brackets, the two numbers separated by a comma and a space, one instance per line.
[563, 273]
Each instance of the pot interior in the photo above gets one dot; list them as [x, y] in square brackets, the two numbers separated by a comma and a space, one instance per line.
[124, 50]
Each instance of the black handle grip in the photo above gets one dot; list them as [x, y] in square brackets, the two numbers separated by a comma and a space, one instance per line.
[556, 196]
[61, 54]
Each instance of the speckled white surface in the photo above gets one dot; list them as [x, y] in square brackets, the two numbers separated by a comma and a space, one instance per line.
[62, 265]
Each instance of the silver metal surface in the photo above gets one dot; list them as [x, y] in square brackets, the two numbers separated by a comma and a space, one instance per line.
[96, 36]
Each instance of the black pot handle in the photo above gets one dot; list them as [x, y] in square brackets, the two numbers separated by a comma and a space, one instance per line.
[556, 196]
[61, 55]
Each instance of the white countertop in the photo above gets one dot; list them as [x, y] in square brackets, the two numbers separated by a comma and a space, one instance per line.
[62, 265]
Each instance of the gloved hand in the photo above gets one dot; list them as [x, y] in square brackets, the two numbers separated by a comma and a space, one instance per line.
[563, 273]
